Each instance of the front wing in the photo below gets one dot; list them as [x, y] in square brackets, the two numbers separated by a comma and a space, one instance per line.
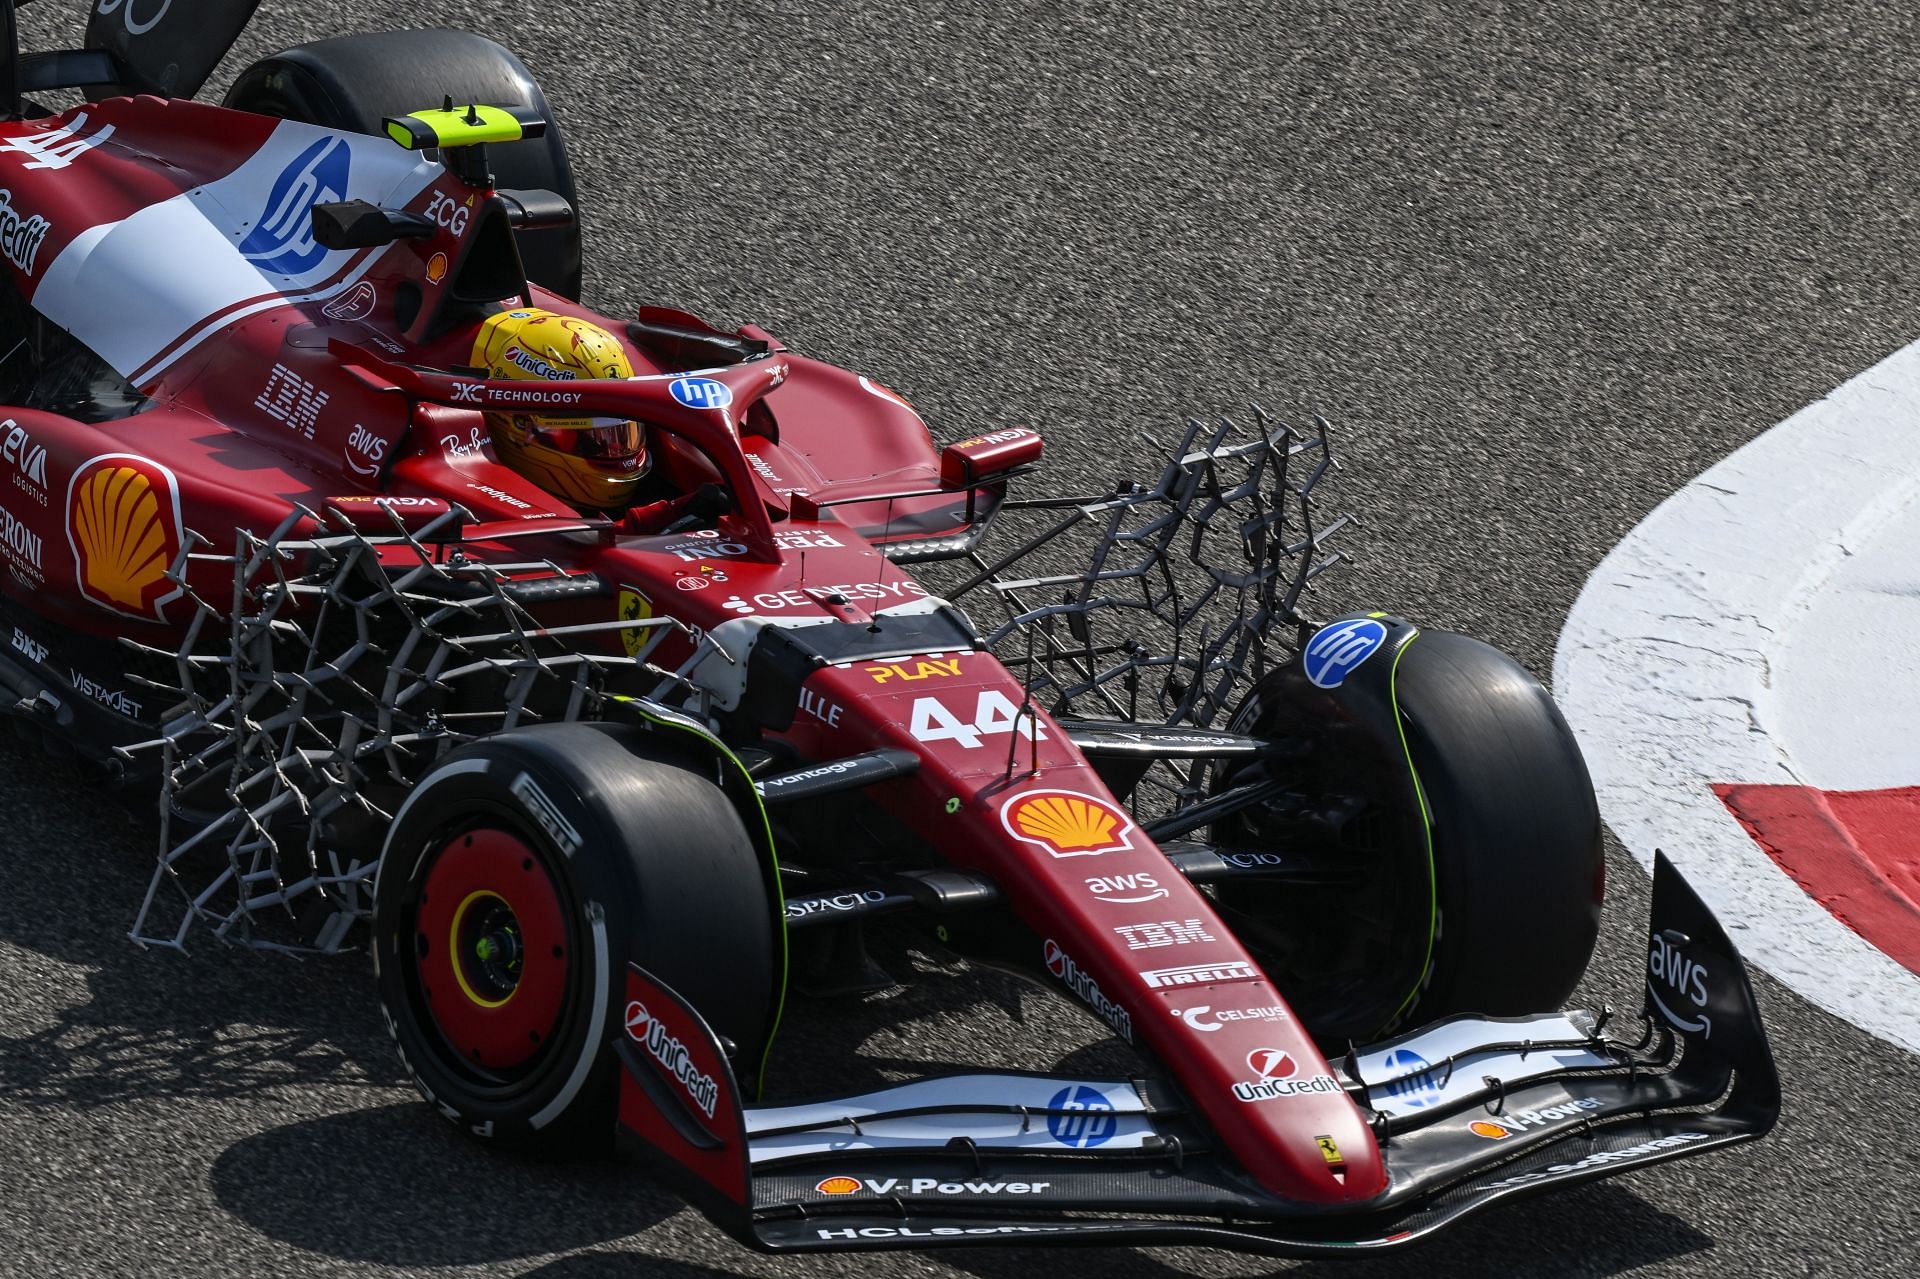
[1468, 1111]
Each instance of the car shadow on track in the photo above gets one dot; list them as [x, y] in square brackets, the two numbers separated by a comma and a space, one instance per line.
[398, 1186]
[92, 1019]
[623, 1265]
[1587, 1231]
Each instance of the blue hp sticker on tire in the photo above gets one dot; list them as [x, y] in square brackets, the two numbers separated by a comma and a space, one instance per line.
[1337, 650]
[701, 392]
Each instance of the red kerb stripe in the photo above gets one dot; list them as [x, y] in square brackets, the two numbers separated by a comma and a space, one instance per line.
[1857, 853]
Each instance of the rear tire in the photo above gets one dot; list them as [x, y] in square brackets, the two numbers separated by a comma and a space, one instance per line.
[520, 876]
[354, 82]
[1516, 869]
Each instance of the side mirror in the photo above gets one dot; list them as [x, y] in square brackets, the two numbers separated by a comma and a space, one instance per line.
[355, 224]
[993, 456]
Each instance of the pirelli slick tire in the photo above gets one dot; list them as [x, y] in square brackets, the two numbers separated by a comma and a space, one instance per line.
[518, 879]
[1441, 778]
[354, 82]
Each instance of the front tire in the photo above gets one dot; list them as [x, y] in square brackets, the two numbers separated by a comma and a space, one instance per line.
[1444, 782]
[521, 875]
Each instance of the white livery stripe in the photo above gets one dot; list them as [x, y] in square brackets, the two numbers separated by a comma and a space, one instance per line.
[121, 286]
[1412, 1077]
[1068, 1114]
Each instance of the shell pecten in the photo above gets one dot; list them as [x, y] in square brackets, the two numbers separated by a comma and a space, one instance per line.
[122, 535]
[1067, 822]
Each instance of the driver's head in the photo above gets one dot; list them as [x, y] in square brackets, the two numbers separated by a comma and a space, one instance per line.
[589, 461]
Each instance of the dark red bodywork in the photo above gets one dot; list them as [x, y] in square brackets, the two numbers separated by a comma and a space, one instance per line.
[284, 399]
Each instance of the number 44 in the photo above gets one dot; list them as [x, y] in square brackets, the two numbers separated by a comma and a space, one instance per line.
[993, 713]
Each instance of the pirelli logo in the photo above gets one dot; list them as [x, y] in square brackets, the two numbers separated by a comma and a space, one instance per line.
[547, 814]
[1198, 974]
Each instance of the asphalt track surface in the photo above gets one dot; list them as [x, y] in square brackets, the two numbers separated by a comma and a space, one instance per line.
[1538, 270]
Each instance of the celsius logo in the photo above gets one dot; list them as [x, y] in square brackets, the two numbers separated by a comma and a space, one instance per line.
[1081, 1117]
[700, 392]
[282, 240]
[1333, 654]
[1205, 1018]
[1411, 1083]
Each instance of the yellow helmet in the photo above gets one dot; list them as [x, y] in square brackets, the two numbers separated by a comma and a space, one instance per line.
[589, 461]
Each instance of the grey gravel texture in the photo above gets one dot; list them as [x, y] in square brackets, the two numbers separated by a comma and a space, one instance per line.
[1540, 265]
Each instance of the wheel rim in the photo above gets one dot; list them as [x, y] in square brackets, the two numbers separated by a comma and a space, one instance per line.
[492, 952]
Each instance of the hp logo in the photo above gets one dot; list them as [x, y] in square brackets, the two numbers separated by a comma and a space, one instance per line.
[1411, 1082]
[282, 239]
[1333, 654]
[1088, 1119]
[700, 392]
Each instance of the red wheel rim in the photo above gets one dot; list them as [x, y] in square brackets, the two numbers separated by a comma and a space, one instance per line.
[491, 944]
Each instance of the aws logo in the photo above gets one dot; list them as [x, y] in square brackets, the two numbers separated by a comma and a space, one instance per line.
[1683, 981]
[367, 445]
[282, 237]
[1126, 889]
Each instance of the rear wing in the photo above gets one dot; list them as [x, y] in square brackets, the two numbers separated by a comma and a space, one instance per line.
[166, 47]
[1466, 1112]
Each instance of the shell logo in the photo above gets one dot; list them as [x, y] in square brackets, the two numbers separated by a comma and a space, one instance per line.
[123, 523]
[1491, 1131]
[838, 1186]
[436, 268]
[1067, 823]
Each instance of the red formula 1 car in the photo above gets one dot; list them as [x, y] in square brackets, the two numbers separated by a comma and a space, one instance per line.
[609, 676]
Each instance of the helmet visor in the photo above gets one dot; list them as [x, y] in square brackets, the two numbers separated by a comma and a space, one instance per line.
[603, 439]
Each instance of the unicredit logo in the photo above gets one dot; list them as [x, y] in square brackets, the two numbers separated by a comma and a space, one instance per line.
[1277, 1076]
[673, 1054]
[1056, 959]
[1271, 1063]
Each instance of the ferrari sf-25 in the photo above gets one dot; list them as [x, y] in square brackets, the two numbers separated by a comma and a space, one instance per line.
[606, 678]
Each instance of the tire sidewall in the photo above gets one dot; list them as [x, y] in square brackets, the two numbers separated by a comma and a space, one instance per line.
[1469, 737]
[596, 900]
[1518, 857]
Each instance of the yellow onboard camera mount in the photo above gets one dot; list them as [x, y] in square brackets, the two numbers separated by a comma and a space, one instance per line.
[462, 135]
